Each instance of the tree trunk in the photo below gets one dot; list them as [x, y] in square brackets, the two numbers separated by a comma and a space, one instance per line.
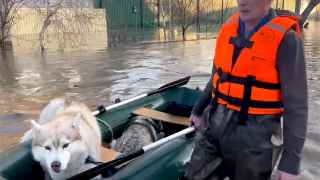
[162, 11]
[41, 38]
[184, 33]
[5, 28]
[165, 33]
[222, 11]
[158, 13]
[183, 25]
[2, 27]
[2, 39]
[44, 28]
[298, 7]
[304, 16]
[7, 42]
[141, 13]
[198, 16]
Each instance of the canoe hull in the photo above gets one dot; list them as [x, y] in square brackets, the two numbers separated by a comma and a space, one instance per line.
[165, 162]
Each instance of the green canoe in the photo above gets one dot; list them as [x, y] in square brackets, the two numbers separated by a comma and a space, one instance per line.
[164, 162]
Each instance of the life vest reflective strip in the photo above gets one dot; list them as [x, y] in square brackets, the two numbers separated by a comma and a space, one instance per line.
[252, 84]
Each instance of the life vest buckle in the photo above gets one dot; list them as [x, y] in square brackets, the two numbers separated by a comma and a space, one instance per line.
[251, 79]
[240, 42]
[224, 77]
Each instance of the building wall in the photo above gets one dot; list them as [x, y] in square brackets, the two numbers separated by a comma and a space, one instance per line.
[65, 26]
[29, 21]
[65, 3]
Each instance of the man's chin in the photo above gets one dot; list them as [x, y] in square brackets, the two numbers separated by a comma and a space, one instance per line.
[245, 17]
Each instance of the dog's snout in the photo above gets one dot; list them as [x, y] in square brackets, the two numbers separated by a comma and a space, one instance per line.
[56, 166]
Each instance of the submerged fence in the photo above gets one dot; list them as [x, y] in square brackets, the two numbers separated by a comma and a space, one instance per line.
[164, 20]
[137, 20]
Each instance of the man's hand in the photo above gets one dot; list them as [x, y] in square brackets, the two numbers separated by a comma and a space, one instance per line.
[195, 121]
[286, 176]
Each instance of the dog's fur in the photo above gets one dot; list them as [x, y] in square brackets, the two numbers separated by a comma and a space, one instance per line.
[65, 135]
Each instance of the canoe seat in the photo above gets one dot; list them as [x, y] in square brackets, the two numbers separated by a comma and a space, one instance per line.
[108, 154]
[162, 116]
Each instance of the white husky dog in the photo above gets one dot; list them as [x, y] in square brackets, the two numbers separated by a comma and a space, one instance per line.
[64, 138]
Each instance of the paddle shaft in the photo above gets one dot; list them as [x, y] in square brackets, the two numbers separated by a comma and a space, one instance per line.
[169, 138]
[121, 103]
[177, 83]
[91, 173]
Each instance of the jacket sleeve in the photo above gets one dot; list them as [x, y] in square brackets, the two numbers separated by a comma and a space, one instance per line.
[292, 72]
[204, 100]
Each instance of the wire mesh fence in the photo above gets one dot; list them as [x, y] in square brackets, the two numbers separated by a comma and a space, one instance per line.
[164, 20]
[169, 20]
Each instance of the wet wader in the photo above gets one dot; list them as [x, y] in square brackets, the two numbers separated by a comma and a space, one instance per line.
[227, 149]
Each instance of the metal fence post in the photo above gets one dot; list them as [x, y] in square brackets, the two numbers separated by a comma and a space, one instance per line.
[222, 13]
[198, 16]
[158, 13]
[141, 13]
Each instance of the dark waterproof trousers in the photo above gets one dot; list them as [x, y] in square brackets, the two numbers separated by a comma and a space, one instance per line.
[228, 149]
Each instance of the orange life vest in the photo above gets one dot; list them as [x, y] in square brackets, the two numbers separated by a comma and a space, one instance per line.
[252, 84]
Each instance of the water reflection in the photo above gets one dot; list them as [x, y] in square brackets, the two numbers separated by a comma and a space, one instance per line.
[7, 68]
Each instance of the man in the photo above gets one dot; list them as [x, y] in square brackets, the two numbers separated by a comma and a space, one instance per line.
[258, 77]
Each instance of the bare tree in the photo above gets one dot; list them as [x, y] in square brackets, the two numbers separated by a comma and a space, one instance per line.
[69, 24]
[50, 10]
[164, 8]
[184, 14]
[207, 14]
[227, 8]
[8, 16]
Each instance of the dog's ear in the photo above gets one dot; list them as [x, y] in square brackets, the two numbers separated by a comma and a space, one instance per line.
[77, 121]
[35, 125]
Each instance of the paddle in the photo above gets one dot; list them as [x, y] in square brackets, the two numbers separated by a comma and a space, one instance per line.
[163, 88]
[91, 173]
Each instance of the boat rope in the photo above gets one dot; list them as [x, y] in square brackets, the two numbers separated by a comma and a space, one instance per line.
[107, 125]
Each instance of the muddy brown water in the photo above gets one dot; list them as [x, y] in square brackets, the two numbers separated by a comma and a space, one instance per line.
[28, 80]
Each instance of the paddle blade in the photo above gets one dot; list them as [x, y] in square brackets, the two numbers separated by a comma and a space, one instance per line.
[174, 84]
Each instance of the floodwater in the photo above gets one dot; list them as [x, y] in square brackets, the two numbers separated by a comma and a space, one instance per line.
[29, 80]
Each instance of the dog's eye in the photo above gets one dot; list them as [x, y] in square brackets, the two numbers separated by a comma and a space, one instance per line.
[65, 145]
[47, 148]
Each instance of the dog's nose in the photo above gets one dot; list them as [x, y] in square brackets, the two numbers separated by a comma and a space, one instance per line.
[56, 166]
